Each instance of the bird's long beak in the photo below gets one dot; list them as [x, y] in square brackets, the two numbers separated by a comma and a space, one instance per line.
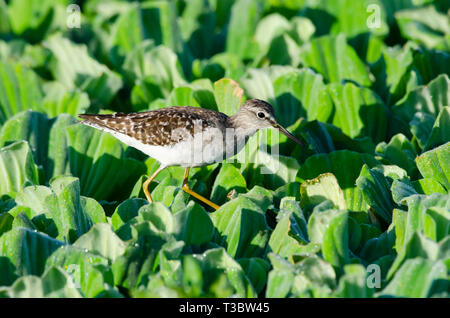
[287, 134]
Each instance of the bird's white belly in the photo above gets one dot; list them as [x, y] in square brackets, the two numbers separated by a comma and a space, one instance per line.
[201, 149]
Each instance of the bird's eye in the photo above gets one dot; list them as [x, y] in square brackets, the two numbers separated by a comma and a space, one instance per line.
[261, 115]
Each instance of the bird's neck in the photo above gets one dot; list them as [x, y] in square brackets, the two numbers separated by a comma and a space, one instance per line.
[242, 129]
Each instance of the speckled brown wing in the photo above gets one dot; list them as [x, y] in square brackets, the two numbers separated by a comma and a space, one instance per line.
[159, 127]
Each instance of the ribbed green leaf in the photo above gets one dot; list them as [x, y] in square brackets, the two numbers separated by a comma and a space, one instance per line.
[430, 99]
[54, 283]
[301, 93]
[45, 136]
[228, 179]
[361, 19]
[322, 53]
[358, 111]
[28, 250]
[424, 25]
[17, 167]
[75, 68]
[375, 189]
[440, 133]
[435, 164]
[399, 151]
[182, 96]
[353, 284]
[216, 261]
[346, 166]
[421, 126]
[102, 240]
[99, 161]
[193, 225]
[287, 238]
[19, 89]
[87, 269]
[420, 218]
[59, 99]
[228, 95]
[61, 208]
[324, 187]
[241, 228]
[125, 211]
[244, 18]
[415, 278]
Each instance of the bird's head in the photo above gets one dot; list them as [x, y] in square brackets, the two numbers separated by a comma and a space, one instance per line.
[257, 114]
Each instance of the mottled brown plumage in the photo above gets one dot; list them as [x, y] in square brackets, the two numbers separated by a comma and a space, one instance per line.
[156, 127]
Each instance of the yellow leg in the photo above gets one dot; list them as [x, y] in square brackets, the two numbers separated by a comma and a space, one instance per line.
[147, 183]
[194, 194]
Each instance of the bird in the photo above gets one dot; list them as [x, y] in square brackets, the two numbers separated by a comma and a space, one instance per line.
[188, 136]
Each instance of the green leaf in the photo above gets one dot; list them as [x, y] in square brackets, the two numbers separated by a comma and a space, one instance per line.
[324, 187]
[17, 167]
[156, 66]
[131, 267]
[241, 228]
[375, 188]
[420, 218]
[243, 21]
[65, 208]
[287, 238]
[346, 166]
[59, 99]
[416, 246]
[421, 126]
[424, 25]
[399, 151]
[33, 21]
[358, 111]
[301, 93]
[75, 68]
[182, 96]
[228, 95]
[19, 89]
[272, 170]
[322, 53]
[256, 270]
[217, 260]
[440, 133]
[87, 269]
[46, 138]
[353, 284]
[415, 278]
[125, 211]
[360, 19]
[330, 229]
[27, 249]
[228, 179]
[431, 63]
[193, 225]
[428, 186]
[392, 72]
[430, 99]
[279, 283]
[258, 82]
[99, 161]
[54, 283]
[435, 163]
[7, 271]
[111, 245]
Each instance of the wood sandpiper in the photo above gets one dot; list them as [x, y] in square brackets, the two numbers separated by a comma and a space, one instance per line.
[188, 136]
